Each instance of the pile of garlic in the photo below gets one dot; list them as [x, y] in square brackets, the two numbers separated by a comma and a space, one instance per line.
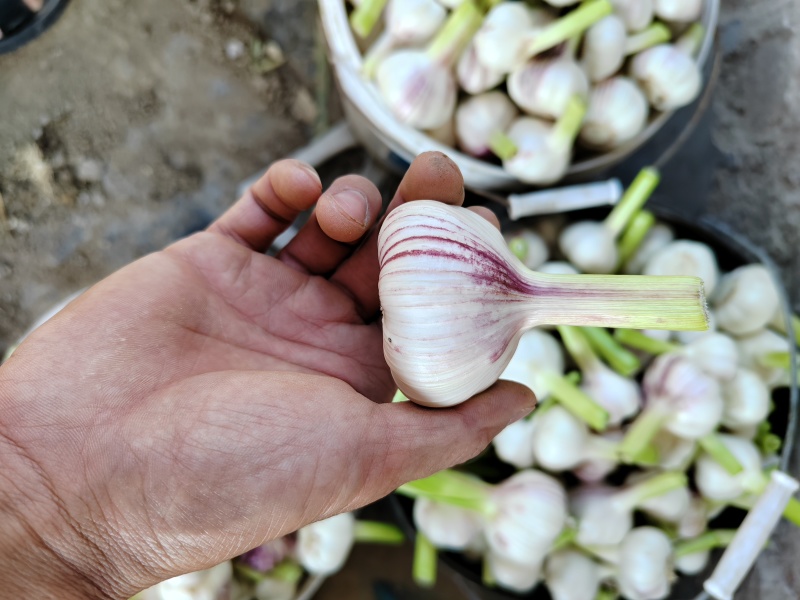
[274, 570]
[640, 439]
[523, 83]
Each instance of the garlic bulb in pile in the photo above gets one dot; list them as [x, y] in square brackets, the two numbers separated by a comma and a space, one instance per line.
[716, 483]
[447, 527]
[201, 585]
[537, 352]
[636, 14]
[500, 42]
[529, 247]
[444, 266]
[747, 400]
[543, 87]
[674, 453]
[746, 300]
[669, 77]
[686, 257]
[481, 116]
[617, 113]
[323, 547]
[756, 345]
[563, 442]
[473, 76]
[514, 445]
[670, 506]
[656, 238]
[570, 575]
[511, 575]
[645, 564]
[682, 11]
[408, 23]
[604, 48]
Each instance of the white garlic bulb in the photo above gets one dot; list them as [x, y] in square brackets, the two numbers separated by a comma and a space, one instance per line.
[617, 113]
[670, 506]
[695, 520]
[529, 247]
[479, 117]
[501, 40]
[537, 352]
[514, 445]
[571, 575]
[515, 576]
[446, 527]
[716, 354]
[563, 442]
[200, 585]
[747, 400]
[544, 87]
[541, 156]
[473, 76]
[680, 11]
[692, 564]
[589, 246]
[686, 257]
[657, 238]
[323, 547]
[604, 48]
[674, 453]
[636, 14]
[746, 300]
[669, 77]
[645, 564]
[715, 483]
[754, 346]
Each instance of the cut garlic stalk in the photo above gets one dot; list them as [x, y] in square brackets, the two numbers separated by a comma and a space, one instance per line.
[617, 113]
[366, 15]
[658, 33]
[479, 117]
[529, 247]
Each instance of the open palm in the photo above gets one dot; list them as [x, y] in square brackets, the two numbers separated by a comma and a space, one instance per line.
[208, 397]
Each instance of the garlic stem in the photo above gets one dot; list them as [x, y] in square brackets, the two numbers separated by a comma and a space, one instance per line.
[651, 488]
[645, 343]
[634, 234]
[568, 26]
[776, 360]
[578, 347]
[569, 124]
[453, 488]
[565, 538]
[632, 200]
[618, 358]
[366, 15]
[502, 146]
[606, 594]
[657, 33]
[458, 30]
[377, 533]
[779, 324]
[716, 538]
[714, 447]
[691, 40]
[641, 432]
[399, 397]
[424, 567]
[575, 400]
[487, 576]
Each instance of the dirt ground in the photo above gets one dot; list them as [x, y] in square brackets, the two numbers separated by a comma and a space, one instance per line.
[130, 124]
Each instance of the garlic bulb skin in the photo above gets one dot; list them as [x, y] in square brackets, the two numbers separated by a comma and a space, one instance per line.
[500, 41]
[674, 453]
[514, 445]
[752, 347]
[539, 159]
[528, 247]
[686, 257]
[537, 351]
[669, 77]
[473, 76]
[557, 267]
[413, 22]
[559, 443]
[600, 521]
[636, 14]
[514, 576]
[746, 300]
[544, 87]
[716, 354]
[645, 564]
[617, 113]
[659, 236]
[618, 395]
[590, 247]
[715, 483]
[692, 564]
[695, 521]
[604, 48]
[679, 11]
[597, 468]
[571, 575]
[200, 585]
[447, 527]
[418, 90]
[323, 547]
[478, 117]
[670, 506]
[747, 400]
[531, 512]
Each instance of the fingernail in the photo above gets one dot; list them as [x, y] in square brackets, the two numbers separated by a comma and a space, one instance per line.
[309, 170]
[352, 204]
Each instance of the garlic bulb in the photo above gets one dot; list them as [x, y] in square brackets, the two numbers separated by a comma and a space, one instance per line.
[716, 483]
[557, 267]
[589, 246]
[695, 519]
[679, 397]
[686, 257]
[323, 547]
[617, 113]
[543, 87]
[444, 134]
[529, 248]
[681, 11]
[669, 77]
[473, 76]
[501, 40]
[657, 238]
[518, 577]
[604, 48]
[514, 445]
[447, 527]
[531, 511]
[563, 442]
[636, 14]
[746, 300]
[747, 400]
[537, 352]
[756, 345]
[716, 354]
[670, 506]
[444, 266]
[597, 468]
[479, 117]
[645, 564]
[408, 23]
[674, 453]
[692, 564]
[418, 85]
[200, 585]
[570, 575]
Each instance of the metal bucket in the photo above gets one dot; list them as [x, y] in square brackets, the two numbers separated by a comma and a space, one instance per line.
[396, 144]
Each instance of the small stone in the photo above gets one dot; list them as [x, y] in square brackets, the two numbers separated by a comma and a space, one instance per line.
[228, 7]
[88, 170]
[15, 224]
[304, 109]
[234, 49]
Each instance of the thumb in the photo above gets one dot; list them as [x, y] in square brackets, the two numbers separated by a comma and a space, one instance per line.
[417, 441]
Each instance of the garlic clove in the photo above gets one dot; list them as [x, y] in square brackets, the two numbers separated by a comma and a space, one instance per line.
[479, 117]
[669, 77]
[604, 48]
[645, 564]
[680, 11]
[657, 238]
[323, 547]
[544, 87]
[571, 575]
[715, 483]
[447, 527]
[685, 257]
[515, 576]
[746, 300]
[419, 91]
[559, 443]
[756, 345]
[589, 246]
[514, 445]
[529, 247]
[617, 113]
[636, 14]
[473, 76]
[747, 400]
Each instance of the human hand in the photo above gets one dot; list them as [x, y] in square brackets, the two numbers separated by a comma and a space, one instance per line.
[207, 397]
